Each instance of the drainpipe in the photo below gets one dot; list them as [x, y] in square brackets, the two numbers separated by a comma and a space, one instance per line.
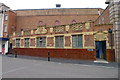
[111, 40]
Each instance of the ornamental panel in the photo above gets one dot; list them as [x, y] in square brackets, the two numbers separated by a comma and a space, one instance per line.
[27, 32]
[17, 33]
[87, 25]
[41, 30]
[76, 27]
[100, 36]
[60, 29]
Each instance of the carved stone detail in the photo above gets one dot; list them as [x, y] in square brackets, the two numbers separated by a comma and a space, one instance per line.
[51, 30]
[87, 25]
[41, 30]
[17, 33]
[31, 31]
[76, 27]
[59, 29]
[27, 32]
[100, 36]
[67, 28]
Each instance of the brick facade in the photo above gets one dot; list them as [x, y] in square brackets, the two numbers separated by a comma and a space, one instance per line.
[10, 22]
[67, 41]
[89, 41]
[50, 23]
[80, 54]
[32, 42]
[50, 41]
[22, 42]
[104, 17]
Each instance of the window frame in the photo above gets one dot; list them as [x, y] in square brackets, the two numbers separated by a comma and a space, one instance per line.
[58, 43]
[26, 42]
[77, 42]
[17, 43]
[43, 42]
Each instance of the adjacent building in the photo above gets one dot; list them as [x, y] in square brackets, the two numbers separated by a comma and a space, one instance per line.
[7, 21]
[114, 8]
[3, 41]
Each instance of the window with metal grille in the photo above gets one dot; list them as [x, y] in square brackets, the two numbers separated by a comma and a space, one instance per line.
[26, 42]
[59, 42]
[17, 43]
[77, 41]
[41, 42]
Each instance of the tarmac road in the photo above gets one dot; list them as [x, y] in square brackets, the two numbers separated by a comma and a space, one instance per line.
[30, 68]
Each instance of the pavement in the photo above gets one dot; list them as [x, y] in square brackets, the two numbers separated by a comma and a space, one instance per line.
[36, 67]
[85, 62]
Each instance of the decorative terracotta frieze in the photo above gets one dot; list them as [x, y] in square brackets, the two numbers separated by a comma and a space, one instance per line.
[41, 30]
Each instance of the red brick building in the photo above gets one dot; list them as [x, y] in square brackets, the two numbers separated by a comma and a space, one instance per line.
[7, 21]
[78, 33]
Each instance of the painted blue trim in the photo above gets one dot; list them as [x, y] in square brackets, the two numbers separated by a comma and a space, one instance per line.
[4, 39]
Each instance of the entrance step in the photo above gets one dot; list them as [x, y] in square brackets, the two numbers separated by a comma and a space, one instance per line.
[101, 61]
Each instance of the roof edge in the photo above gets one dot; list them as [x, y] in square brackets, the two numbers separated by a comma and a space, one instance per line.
[53, 8]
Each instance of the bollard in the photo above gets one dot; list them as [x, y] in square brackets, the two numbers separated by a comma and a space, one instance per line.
[15, 54]
[48, 56]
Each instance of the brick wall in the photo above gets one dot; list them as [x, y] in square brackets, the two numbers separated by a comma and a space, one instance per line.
[22, 42]
[13, 42]
[81, 54]
[61, 11]
[12, 22]
[110, 55]
[50, 41]
[29, 19]
[67, 41]
[32, 42]
[31, 22]
[104, 17]
[89, 40]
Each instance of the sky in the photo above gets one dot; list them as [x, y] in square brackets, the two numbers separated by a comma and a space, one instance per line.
[41, 4]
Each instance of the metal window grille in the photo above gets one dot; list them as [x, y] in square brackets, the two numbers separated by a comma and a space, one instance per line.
[59, 42]
[41, 42]
[17, 43]
[77, 41]
[26, 42]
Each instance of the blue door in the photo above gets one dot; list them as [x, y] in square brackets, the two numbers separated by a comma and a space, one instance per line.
[101, 49]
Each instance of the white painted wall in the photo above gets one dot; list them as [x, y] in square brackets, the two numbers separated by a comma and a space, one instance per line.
[1, 24]
[6, 47]
[2, 8]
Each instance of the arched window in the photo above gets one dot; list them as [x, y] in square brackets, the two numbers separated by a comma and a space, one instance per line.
[40, 23]
[13, 28]
[73, 21]
[57, 22]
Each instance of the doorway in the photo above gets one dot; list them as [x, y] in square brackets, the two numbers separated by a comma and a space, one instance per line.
[10, 48]
[3, 48]
[101, 49]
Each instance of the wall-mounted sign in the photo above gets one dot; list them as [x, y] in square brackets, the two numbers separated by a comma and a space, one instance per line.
[90, 49]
